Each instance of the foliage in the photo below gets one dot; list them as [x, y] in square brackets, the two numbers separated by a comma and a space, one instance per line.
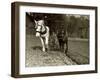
[76, 25]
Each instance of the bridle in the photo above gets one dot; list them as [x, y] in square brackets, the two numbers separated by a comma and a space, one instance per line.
[42, 32]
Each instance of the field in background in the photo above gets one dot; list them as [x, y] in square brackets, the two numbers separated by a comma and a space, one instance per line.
[79, 50]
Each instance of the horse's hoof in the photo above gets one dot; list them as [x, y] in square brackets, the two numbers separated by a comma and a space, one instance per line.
[43, 50]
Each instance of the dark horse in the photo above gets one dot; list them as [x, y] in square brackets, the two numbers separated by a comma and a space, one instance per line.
[63, 40]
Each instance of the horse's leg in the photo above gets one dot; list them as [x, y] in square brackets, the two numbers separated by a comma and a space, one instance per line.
[62, 46]
[66, 49]
[43, 44]
[59, 43]
[46, 42]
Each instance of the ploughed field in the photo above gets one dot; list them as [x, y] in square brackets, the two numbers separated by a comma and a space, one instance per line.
[36, 57]
[77, 53]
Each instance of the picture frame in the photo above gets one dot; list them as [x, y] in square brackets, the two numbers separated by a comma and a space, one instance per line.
[18, 44]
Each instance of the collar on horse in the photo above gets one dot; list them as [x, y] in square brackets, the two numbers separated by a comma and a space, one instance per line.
[42, 32]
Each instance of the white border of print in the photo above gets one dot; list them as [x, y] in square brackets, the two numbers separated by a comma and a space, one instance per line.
[54, 69]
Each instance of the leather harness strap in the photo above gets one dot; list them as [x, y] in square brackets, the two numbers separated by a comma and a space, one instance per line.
[42, 32]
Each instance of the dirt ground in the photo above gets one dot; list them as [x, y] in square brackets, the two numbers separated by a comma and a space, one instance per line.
[36, 57]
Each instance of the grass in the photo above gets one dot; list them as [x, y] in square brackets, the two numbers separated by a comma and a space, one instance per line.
[79, 51]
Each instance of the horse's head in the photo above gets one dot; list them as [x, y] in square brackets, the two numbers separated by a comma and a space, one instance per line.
[38, 26]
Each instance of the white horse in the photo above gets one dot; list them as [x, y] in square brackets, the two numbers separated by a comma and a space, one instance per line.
[42, 32]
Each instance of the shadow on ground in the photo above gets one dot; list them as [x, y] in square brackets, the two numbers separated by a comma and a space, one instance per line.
[37, 48]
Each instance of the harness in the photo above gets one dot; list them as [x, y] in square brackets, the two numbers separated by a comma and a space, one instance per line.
[42, 32]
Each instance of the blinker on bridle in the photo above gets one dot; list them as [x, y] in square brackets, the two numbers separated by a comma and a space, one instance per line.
[42, 32]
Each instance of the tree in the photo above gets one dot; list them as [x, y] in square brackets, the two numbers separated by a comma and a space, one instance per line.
[72, 25]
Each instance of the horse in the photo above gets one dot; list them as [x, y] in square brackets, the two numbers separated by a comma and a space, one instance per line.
[63, 40]
[42, 31]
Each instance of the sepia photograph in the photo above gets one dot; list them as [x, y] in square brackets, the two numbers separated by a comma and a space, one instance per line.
[56, 39]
